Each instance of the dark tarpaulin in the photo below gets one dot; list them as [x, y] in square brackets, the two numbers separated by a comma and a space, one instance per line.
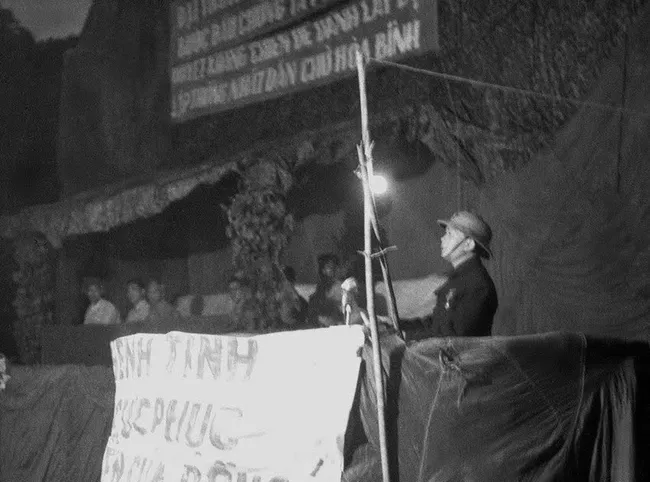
[572, 229]
[54, 423]
[549, 407]
[544, 407]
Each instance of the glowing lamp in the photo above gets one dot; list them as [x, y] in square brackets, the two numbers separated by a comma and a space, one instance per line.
[378, 184]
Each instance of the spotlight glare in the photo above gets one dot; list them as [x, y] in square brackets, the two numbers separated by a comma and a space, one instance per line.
[378, 184]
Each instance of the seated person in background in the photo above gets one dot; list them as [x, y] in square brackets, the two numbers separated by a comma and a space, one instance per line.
[293, 307]
[161, 312]
[324, 307]
[244, 314]
[135, 292]
[100, 311]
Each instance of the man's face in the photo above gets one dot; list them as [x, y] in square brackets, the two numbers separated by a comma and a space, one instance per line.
[94, 294]
[452, 243]
[329, 270]
[154, 292]
[134, 293]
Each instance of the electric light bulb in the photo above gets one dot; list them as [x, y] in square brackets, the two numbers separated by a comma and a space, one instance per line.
[378, 184]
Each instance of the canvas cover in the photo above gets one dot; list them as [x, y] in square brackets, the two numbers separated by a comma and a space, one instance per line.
[572, 229]
[544, 407]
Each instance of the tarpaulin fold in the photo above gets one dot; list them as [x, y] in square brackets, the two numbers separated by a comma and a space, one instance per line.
[54, 423]
[494, 409]
[572, 228]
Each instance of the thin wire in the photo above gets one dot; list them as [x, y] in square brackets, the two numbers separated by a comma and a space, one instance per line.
[507, 88]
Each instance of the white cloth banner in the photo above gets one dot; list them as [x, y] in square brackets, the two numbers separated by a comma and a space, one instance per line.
[206, 408]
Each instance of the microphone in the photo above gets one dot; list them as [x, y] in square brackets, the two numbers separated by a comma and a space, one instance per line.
[348, 313]
[349, 288]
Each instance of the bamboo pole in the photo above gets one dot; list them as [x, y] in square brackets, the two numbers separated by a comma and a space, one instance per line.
[383, 264]
[370, 301]
[366, 163]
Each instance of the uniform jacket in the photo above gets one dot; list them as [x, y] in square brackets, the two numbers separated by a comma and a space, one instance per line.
[140, 312]
[465, 306]
[102, 313]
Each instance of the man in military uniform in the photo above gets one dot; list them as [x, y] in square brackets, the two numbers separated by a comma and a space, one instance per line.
[467, 301]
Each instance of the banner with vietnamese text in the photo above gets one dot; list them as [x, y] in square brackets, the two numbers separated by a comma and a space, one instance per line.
[228, 53]
[196, 408]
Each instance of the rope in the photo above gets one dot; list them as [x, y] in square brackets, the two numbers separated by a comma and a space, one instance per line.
[507, 88]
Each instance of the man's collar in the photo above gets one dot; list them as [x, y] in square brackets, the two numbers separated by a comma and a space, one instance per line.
[468, 264]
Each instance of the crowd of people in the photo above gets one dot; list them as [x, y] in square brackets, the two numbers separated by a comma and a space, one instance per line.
[465, 303]
[148, 304]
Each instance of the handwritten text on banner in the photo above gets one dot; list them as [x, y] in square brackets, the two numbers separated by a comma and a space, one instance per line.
[249, 51]
[199, 408]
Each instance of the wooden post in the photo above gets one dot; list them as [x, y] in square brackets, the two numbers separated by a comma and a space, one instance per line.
[366, 165]
[366, 171]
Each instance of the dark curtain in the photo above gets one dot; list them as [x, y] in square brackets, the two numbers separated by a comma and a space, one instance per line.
[572, 244]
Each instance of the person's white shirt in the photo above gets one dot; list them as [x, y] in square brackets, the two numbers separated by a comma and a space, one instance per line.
[102, 313]
[140, 312]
